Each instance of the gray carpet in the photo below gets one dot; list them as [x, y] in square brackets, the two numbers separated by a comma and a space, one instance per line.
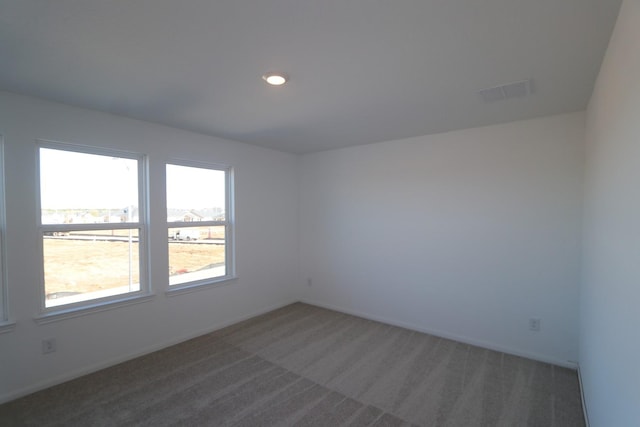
[307, 366]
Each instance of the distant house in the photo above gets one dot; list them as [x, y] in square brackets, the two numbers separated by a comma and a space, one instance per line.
[192, 216]
[53, 219]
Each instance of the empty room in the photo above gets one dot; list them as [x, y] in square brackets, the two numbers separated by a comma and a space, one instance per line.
[296, 213]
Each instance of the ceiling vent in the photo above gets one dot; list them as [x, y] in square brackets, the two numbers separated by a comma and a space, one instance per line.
[512, 90]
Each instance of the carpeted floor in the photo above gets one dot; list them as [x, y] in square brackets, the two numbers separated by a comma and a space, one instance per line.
[303, 365]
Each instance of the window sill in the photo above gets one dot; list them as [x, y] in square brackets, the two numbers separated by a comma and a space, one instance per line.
[193, 287]
[68, 313]
[7, 326]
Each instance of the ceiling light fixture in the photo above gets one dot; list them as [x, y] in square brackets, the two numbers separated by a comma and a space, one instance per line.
[275, 79]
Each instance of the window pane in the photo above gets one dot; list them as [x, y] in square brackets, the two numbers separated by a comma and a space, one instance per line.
[81, 188]
[195, 194]
[196, 253]
[80, 266]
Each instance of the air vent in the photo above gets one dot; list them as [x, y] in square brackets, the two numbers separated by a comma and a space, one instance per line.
[512, 90]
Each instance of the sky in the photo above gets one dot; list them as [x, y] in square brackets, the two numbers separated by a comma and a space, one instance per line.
[71, 180]
[194, 188]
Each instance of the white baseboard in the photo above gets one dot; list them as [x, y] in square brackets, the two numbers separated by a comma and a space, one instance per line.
[112, 362]
[441, 334]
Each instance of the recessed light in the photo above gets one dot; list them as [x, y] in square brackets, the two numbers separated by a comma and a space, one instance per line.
[275, 79]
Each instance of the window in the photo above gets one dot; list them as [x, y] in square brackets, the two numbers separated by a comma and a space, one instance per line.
[199, 224]
[92, 225]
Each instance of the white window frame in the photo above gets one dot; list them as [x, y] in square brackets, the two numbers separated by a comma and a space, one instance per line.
[228, 223]
[142, 225]
[5, 324]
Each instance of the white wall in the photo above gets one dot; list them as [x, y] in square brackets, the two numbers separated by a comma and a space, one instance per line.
[466, 234]
[610, 294]
[266, 244]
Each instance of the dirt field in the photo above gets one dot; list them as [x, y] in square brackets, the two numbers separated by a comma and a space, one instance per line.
[88, 265]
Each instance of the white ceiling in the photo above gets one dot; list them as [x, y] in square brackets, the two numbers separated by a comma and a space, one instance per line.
[361, 71]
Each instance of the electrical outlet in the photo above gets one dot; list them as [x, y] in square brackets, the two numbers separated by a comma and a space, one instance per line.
[48, 346]
[309, 282]
[534, 324]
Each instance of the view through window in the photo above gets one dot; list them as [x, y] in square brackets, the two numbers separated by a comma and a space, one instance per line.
[198, 224]
[90, 224]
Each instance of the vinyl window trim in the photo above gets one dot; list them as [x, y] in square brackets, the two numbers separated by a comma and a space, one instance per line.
[228, 223]
[47, 314]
